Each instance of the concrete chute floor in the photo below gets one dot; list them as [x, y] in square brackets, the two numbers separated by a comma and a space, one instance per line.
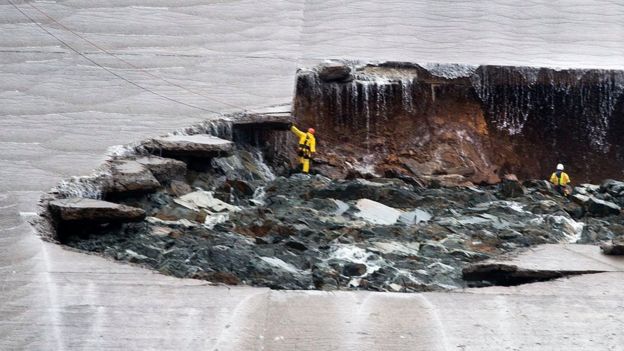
[59, 114]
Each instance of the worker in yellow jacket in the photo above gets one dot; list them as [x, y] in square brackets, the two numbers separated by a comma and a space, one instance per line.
[560, 180]
[307, 146]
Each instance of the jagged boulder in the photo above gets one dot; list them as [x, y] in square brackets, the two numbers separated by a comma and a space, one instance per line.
[511, 187]
[539, 185]
[580, 199]
[612, 187]
[602, 208]
[590, 188]
[179, 188]
[131, 176]
[97, 211]
[616, 247]
[353, 269]
[164, 169]
[574, 209]
[334, 72]
[360, 188]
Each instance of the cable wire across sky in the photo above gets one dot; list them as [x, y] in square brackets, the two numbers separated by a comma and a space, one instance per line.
[142, 87]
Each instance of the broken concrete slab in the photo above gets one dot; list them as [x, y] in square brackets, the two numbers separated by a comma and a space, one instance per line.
[543, 262]
[275, 119]
[197, 145]
[90, 210]
[164, 169]
[131, 176]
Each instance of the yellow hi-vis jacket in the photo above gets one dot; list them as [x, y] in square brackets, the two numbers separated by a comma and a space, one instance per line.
[307, 142]
[564, 179]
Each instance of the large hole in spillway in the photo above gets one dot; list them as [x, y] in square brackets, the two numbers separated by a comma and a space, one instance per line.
[404, 190]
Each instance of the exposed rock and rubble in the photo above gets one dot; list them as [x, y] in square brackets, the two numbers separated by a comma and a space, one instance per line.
[236, 222]
[219, 202]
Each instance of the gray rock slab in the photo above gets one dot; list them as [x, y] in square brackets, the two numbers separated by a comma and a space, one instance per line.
[89, 210]
[197, 145]
[580, 198]
[599, 207]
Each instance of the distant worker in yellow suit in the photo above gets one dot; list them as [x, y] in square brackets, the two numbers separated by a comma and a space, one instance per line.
[307, 146]
[560, 180]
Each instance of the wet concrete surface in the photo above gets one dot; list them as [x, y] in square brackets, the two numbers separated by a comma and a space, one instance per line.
[59, 114]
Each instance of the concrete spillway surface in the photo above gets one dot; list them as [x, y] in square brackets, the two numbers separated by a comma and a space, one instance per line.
[184, 62]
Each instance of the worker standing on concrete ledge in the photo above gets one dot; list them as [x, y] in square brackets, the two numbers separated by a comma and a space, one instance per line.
[560, 180]
[307, 146]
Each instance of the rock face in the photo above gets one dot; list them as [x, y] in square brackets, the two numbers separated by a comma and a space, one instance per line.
[479, 123]
[89, 210]
[198, 145]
